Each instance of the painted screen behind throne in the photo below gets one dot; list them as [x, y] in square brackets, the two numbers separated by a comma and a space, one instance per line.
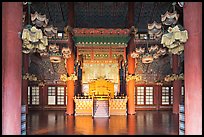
[92, 71]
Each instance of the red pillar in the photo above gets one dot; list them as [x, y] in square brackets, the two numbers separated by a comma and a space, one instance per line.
[193, 68]
[131, 86]
[159, 97]
[176, 85]
[131, 63]
[24, 94]
[12, 13]
[130, 14]
[70, 86]
[70, 63]
[156, 96]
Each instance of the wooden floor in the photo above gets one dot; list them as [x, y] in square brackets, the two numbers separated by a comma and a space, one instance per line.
[142, 123]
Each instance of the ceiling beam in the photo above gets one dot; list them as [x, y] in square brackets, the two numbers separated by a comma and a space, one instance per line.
[130, 14]
[70, 17]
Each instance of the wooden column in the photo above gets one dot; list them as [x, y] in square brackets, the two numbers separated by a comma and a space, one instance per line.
[176, 84]
[156, 96]
[70, 86]
[70, 62]
[193, 68]
[12, 13]
[159, 103]
[24, 94]
[130, 14]
[131, 62]
[131, 86]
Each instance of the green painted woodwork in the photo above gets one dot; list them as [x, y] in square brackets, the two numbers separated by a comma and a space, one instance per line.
[97, 40]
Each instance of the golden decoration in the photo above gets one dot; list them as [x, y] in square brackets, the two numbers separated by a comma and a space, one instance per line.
[134, 77]
[30, 77]
[66, 53]
[64, 77]
[174, 77]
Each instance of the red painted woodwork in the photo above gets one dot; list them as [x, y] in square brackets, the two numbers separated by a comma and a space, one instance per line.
[11, 67]
[130, 14]
[24, 94]
[131, 63]
[176, 85]
[70, 20]
[100, 32]
[193, 68]
[156, 96]
[70, 86]
[70, 63]
[131, 86]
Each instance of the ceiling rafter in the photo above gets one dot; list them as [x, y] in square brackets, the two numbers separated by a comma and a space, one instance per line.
[141, 7]
[61, 11]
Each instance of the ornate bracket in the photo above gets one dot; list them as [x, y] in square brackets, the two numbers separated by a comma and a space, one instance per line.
[133, 77]
[64, 77]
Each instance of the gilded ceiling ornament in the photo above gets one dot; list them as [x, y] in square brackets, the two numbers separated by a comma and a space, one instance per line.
[169, 18]
[153, 48]
[173, 77]
[154, 28]
[134, 54]
[33, 39]
[30, 77]
[133, 77]
[39, 20]
[66, 53]
[161, 51]
[32, 35]
[53, 48]
[64, 77]
[50, 31]
[174, 40]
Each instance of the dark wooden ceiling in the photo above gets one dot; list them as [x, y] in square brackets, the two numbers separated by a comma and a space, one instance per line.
[100, 15]
[103, 14]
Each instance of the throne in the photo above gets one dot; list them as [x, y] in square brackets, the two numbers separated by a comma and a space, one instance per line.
[101, 87]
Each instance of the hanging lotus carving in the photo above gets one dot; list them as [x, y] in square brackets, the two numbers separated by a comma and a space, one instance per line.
[33, 40]
[50, 31]
[169, 18]
[154, 52]
[155, 30]
[174, 40]
[39, 20]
